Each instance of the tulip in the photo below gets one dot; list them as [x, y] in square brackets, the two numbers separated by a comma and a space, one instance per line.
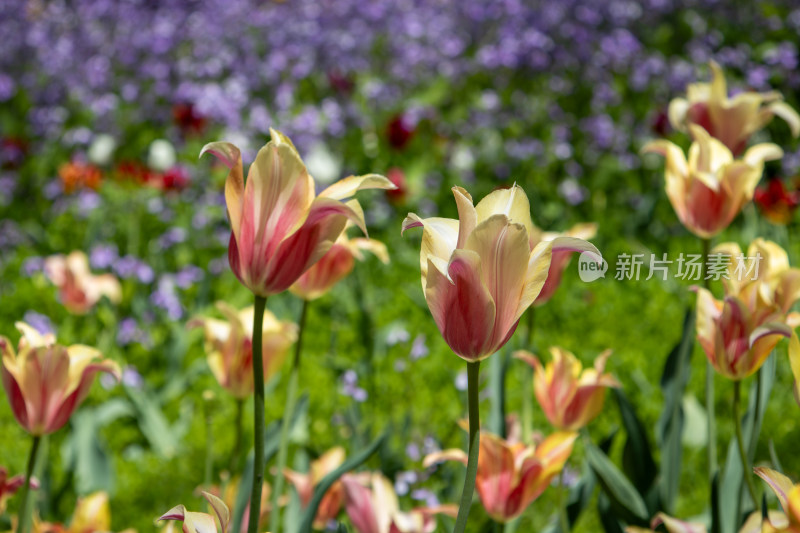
[371, 504]
[229, 347]
[229, 493]
[570, 395]
[79, 289]
[709, 189]
[8, 486]
[511, 475]
[479, 275]
[45, 382]
[194, 522]
[777, 202]
[755, 523]
[280, 228]
[77, 175]
[788, 495]
[335, 265]
[560, 258]
[731, 120]
[481, 272]
[331, 503]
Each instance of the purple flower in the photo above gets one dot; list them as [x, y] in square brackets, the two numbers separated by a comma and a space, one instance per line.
[132, 378]
[32, 265]
[418, 348]
[103, 256]
[39, 322]
[188, 276]
[349, 386]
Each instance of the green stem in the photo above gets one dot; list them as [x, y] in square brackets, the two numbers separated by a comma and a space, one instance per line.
[288, 411]
[258, 415]
[563, 520]
[737, 421]
[237, 444]
[527, 384]
[473, 373]
[24, 511]
[209, 463]
[712, 423]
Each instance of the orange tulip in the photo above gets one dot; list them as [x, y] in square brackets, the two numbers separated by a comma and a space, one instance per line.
[194, 522]
[511, 475]
[331, 503]
[372, 506]
[709, 189]
[570, 395]
[480, 272]
[731, 120]
[45, 382]
[229, 346]
[280, 227]
[78, 288]
[560, 258]
[335, 265]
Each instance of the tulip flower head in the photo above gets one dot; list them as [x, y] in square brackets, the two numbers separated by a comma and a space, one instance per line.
[280, 227]
[731, 120]
[788, 495]
[77, 175]
[371, 503]
[709, 189]
[777, 202]
[229, 346]
[481, 272]
[336, 265]
[560, 258]
[511, 475]
[194, 522]
[45, 382]
[570, 395]
[331, 503]
[79, 289]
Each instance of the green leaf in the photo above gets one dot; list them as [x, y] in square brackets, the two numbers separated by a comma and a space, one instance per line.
[669, 429]
[350, 464]
[623, 497]
[637, 460]
[608, 518]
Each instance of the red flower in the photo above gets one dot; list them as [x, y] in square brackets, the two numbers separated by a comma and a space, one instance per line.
[776, 202]
[398, 178]
[188, 119]
[399, 131]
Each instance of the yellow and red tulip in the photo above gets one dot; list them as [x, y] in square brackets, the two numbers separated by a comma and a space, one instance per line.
[371, 503]
[731, 120]
[195, 522]
[280, 227]
[788, 495]
[569, 395]
[229, 346]
[480, 272]
[511, 475]
[331, 503]
[79, 289]
[45, 382]
[336, 265]
[708, 189]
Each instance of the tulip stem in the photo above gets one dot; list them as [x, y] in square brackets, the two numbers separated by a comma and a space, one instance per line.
[527, 383]
[258, 415]
[563, 520]
[473, 374]
[288, 411]
[747, 472]
[24, 514]
[237, 444]
[711, 417]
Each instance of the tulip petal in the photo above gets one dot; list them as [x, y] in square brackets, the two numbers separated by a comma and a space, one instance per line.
[787, 113]
[756, 155]
[676, 112]
[794, 357]
[504, 252]
[451, 454]
[359, 505]
[349, 186]
[780, 484]
[771, 328]
[674, 525]
[467, 215]
[222, 511]
[231, 157]
[511, 202]
[496, 478]
[461, 305]
[439, 239]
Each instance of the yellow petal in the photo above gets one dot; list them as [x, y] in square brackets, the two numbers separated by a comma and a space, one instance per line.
[511, 202]
[231, 157]
[787, 113]
[349, 186]
[780, 484]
